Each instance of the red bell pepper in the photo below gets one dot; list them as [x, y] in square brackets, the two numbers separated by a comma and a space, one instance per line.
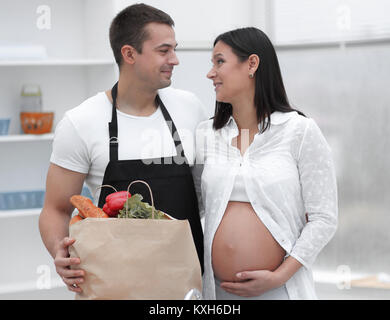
[115, 202]
[118, 194]
[109, 212]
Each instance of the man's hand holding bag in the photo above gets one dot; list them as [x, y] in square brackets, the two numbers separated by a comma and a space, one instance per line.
[141, 254]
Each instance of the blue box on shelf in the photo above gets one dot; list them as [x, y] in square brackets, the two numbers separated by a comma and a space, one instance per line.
[4, 126]
[27, 199]
[21, 200]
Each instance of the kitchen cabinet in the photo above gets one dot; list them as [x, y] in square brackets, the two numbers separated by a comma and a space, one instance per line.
[79, 64]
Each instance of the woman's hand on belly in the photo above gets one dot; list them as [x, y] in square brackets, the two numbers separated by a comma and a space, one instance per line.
[253, 283]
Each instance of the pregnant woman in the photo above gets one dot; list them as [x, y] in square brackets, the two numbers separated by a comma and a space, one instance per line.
[267, 178]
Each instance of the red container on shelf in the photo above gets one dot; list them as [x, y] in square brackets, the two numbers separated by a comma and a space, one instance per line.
[36, 122]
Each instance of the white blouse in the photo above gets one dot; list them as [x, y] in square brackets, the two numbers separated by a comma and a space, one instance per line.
[239, 191]
[288, 171]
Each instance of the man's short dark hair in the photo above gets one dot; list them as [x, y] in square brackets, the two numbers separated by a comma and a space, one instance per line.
[128, 27]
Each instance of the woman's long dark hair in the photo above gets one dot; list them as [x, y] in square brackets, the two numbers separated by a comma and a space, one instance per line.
[270, 94]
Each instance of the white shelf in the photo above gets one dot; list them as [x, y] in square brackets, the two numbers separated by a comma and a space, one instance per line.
[20, 213]
[27, 137]
[57, 62]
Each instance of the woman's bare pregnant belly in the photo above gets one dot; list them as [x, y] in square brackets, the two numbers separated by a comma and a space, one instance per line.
[243, 243]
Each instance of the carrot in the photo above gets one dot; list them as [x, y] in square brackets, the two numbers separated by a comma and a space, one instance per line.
[86, 207]
[75, 219]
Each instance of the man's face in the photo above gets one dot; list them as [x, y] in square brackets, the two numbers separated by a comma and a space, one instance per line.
[154, 66]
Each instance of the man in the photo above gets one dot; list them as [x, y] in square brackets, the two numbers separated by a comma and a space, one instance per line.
[110, 139]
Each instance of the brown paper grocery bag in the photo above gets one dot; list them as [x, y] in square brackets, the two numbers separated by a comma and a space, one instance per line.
[135, 258]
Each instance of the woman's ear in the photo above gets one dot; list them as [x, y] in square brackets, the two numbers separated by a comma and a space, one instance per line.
[128, 54]
[254, 62]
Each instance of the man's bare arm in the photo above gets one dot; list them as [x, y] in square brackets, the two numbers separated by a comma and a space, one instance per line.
[61, 184]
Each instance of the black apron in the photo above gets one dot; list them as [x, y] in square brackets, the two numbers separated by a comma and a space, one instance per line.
[169, 178]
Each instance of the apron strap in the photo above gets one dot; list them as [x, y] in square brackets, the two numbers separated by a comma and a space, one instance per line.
[172, 128]
[113, 127]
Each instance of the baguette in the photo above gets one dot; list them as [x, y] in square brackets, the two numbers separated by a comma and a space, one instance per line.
[86, 208]
[75, 219]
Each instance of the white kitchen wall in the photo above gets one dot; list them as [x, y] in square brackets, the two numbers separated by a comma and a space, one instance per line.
[344, 88]
[197, 23]
[63, 40]
[346, 91]
[329, 21]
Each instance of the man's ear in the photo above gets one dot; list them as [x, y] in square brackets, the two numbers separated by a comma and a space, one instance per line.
[128, 54]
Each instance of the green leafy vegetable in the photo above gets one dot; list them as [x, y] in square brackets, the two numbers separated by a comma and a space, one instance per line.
[135, 208]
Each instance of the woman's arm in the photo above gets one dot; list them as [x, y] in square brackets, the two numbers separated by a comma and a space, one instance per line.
[196, 171]
[201, 136]
[286, 270]
[319, 192]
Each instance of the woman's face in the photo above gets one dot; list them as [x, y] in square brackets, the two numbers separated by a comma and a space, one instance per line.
[229, 75]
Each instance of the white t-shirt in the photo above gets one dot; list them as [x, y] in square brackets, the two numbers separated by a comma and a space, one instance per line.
[81, 140]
